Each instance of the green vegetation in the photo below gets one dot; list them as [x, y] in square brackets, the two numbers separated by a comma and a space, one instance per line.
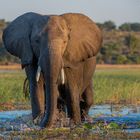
[108, 25]
[130, 27]
[110, 86]
[11, 93]
[117, 86]
[120, 48]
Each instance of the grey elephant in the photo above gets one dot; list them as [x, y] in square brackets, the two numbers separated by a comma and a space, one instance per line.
[58, 53]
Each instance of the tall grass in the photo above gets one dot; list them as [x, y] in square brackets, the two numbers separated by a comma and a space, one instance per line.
[11, 85]
[110, 86]
[117, 86]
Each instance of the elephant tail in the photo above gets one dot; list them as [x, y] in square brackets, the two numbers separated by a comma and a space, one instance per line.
[26, 88]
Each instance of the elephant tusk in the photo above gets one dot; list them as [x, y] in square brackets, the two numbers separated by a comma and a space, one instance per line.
[38, 73]
[62, 76]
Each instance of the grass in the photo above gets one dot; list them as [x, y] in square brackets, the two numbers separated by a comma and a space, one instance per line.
[11, 93]
[117, 86]
[111, 85]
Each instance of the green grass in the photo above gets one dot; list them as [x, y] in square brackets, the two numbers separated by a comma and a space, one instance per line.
[11, 89]
[110, 86]
[117, 86]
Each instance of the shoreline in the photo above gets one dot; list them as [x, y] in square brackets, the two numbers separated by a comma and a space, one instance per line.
[98, 66]
[11, 67]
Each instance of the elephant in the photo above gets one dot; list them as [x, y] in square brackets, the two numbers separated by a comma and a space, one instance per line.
[58, 53]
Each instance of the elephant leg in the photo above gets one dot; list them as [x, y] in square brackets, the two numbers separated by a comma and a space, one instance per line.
[73, 104]
[73, 88]
[61, 99]
[75, 107]
[87, 101]
[34, 90]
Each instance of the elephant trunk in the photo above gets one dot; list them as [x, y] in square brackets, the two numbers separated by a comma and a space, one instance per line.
[51, 64]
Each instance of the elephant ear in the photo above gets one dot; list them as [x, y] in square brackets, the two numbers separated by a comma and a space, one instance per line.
[20, 48]
[84, 38]
[63, 26]
[25, 51]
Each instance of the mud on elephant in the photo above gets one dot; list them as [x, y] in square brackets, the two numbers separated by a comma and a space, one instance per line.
[58, 53]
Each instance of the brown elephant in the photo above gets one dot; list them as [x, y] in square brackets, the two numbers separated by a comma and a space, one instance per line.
[62, 49]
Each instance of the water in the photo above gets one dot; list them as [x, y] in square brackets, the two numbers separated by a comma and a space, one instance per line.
[114, 110]
[129, 115]
[12, 115]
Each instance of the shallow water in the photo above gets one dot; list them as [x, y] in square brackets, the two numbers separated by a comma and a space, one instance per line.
[12, 115]
[129, 115]
[114, 110]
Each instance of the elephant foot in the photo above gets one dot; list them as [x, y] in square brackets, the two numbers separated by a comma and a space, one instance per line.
[60, 120]
[86, 118]
[38, 119]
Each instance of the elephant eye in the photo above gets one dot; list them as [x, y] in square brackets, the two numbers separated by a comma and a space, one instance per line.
[37, 40]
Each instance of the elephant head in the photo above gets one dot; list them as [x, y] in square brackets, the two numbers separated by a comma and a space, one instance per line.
[53, 41]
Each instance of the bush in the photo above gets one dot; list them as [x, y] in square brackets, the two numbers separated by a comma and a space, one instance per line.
[121, 59]
[109, 25]
[125, 27]
[130, 27]
[135, 27]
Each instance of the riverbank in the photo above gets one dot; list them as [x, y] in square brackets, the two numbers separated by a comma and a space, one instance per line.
[10, 67]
